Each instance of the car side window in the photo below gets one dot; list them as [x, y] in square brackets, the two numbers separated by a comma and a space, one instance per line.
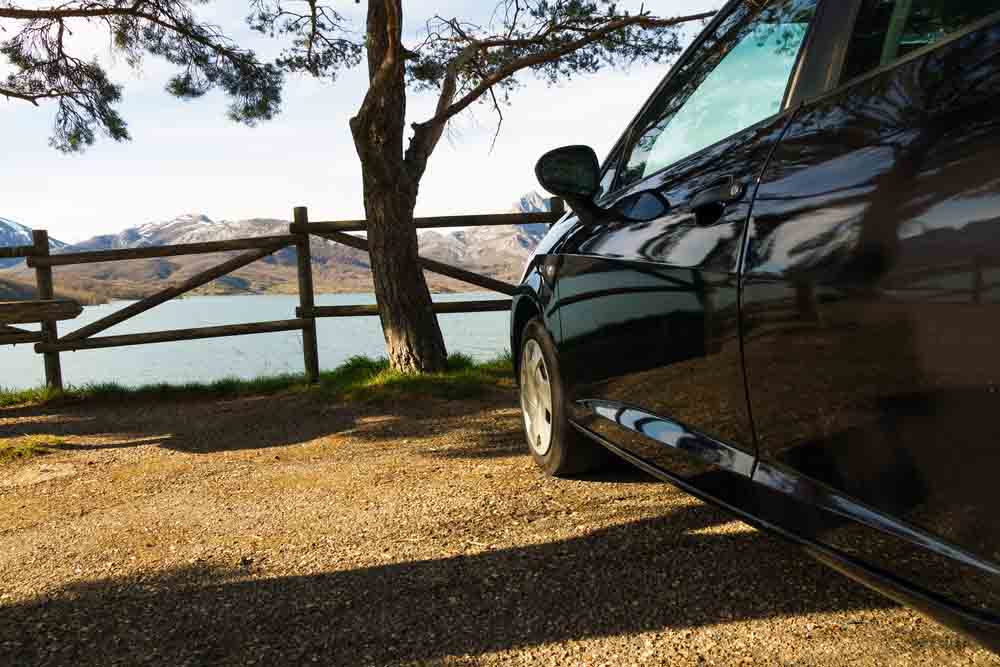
[737, 77]
[887, 30]
[608, 176]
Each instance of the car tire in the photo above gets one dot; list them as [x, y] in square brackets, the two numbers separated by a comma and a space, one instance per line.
[558, 448]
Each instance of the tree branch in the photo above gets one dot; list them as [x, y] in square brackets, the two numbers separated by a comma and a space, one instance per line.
[513, 67]
[427, 135]
[27, 97]
[44, 70]
[379, 121]
[66, 12]
[545, 44]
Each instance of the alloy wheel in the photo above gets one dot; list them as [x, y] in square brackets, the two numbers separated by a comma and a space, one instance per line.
[536, 398]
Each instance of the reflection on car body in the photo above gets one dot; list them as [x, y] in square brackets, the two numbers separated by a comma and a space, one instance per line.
[796, 317]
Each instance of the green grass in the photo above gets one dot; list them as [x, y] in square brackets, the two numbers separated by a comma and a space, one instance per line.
[358, 379]
[11, 397]
[21, 449]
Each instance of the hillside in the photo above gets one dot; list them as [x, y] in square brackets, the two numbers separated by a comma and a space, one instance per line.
[496, 251]
[17, 290]
[15, 234]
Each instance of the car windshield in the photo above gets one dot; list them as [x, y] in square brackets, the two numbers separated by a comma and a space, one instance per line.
[761, 62]
[737, 77]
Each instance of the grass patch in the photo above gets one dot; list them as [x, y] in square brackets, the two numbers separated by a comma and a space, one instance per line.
[364, 379]
[13, 397]
[358, 379]
[28, 447]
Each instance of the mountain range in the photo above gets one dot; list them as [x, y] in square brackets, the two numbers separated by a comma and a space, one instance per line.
[14, 234]
[499, 252]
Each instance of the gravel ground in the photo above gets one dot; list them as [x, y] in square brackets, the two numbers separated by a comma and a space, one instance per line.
[286, 530]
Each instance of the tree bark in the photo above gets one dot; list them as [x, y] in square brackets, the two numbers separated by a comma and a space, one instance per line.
[412, 335]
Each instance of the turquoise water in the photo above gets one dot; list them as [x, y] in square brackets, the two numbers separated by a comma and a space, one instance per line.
[480, 335]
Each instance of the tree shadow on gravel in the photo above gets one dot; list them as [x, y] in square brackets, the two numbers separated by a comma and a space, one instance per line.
[248, 423]
[502, 443]
[648, 575]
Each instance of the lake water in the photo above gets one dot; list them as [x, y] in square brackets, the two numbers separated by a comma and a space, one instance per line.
[480, 335]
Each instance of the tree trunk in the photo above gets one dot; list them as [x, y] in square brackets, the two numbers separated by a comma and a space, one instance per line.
[412, 335]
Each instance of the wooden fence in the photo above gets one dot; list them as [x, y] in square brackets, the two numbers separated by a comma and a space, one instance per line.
[48, 310]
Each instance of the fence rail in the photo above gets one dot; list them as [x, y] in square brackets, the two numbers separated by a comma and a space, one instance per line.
[427, 264]
[17, 251]
[438, 222]
[12, 335]
[485, 306]
[96, 256]
[48, 310]
[67, 345]
[24, 312]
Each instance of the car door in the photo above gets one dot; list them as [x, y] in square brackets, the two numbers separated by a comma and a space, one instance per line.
[647, 298]
[871, 301]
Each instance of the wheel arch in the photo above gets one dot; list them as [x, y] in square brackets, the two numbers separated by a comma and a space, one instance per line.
[525, 308]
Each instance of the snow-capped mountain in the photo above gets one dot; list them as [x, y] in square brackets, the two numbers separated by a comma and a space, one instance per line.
[480, 247]
[533, 202]
[496, 251]
[14, 233]
[500, 251]
[188, 228]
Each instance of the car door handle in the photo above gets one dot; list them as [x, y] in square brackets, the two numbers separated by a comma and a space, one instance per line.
[709, 204]
[723, 191]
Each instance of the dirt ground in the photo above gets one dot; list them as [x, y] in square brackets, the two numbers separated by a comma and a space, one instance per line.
[288, 530]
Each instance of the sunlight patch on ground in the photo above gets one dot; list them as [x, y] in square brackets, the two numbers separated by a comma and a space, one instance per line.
[731, 528]
[27, 447]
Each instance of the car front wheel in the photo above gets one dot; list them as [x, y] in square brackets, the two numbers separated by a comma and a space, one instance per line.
[556, 446]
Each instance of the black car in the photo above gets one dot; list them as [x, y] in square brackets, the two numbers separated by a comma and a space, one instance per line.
[781, 291]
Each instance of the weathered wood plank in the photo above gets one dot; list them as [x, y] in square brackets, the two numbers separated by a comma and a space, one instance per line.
[441, 307]
[46, 291]
[14, 252]
[13, 335]
[488, 220]
[172, 292]
[23, 312]
[174, 335]
[96, 256]
[432, 265]
[310, 347]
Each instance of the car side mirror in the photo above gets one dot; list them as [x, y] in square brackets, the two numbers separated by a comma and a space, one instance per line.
[573, 173]
[570, 172]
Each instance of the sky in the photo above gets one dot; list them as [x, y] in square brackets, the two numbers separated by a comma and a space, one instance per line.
[186, 157]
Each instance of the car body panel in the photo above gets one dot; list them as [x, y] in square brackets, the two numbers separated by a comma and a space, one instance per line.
[534, 298]
[821, 360]
[767, 510]
[648, 309]
[874, 242]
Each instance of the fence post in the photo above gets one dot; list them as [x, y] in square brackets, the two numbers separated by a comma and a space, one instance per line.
[50, 330]
[310, 349]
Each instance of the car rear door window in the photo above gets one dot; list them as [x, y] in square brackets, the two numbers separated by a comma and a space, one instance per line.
[887, 30]
[736, 78]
